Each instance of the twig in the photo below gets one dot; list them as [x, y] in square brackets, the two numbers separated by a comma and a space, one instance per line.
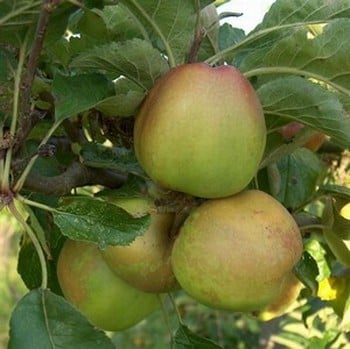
[26, 122]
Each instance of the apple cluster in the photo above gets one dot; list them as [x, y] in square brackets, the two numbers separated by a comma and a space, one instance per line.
[200, 131]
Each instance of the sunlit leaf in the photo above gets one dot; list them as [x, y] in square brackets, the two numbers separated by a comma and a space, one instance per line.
[89, 219]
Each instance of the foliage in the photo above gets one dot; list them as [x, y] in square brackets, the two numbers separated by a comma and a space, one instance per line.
[72, 77]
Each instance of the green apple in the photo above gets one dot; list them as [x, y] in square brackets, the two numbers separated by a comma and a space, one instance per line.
[145, 263]
[201, 131]
[105, 299]
[236, 253]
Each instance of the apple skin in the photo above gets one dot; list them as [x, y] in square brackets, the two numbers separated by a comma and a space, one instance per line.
[235, 253]
[197, 127]
[314, 143]
[145, 263]
[105, 299]
[289, 294]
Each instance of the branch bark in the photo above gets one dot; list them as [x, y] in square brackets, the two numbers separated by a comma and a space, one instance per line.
[29, 119]
[76, 175]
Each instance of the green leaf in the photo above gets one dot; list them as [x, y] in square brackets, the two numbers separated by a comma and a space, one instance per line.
[296, 99]
[300, 173]
[335, 190]
[306, 270]
[128, 96]
[113, 158]
[135, 59]
[299, 11]
[209, 22]
[186, 339]
[319, 254]
[230, 36]
[42, 319]
[323, 57]
[16, 17]
[75, 94]
[169, 25]
[89, 219]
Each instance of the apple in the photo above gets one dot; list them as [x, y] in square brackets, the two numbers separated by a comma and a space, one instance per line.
[145, 263]
[290, 130]
[287, 298]
[235, 253]
[201, 130]
[105, 299]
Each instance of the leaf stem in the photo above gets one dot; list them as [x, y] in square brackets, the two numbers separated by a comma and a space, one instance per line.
[178, 316]
[298, 72]
[20, 182]
[35, 204]
[35, 242]
[5, 185]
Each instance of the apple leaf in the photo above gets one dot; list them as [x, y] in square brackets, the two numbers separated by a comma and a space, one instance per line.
[89, 219]
[127, 98]
[323, 57]
[284, 12]
[186, 339]
[113, 158]
[42, 319]
[300, 173]
[78, 93]
[135, 59]
[306, 270]
[168, 23]
[296, 99]
[16, 17]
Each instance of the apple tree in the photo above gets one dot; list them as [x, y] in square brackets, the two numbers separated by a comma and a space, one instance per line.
[121, 122]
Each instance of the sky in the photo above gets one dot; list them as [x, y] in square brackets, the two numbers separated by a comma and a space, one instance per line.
[253, 12]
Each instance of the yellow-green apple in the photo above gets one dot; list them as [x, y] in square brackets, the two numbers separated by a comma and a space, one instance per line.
[104, 298]
[145, 263]
[201, 131]
[235, 253]
[290, 290]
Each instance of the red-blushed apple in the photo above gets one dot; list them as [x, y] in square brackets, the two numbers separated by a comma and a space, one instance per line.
[314, 143]
[104, 298]
[236, 253]
[201, 130]
[145, 263]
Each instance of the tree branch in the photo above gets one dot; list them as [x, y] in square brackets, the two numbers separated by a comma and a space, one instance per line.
[29, 119]
[76, 175]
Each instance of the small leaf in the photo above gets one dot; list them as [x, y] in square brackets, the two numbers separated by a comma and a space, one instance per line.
[113, 158]
[89, 219]
[306, 270]
[42, 319]
[135, 59]
[319, 254]
[300, 173]
[337, 246]
[75, 94]
[186, 339]
[128, 96]
[296, 99]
